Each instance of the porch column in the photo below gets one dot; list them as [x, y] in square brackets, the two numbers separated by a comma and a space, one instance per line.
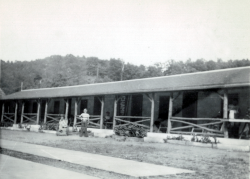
[115, 111]
[2, 112]
[225, 112]
[77, 100]
[152, 112]
[67, 108]
[102, 111]
[170, 112]
[22, 112]
[38, 111]
[15, 119]
[46, 111]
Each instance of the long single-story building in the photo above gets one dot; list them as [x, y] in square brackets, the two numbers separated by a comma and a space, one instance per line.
[194, 102]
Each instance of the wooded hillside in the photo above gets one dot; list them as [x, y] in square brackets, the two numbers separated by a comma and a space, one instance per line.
[55, 71]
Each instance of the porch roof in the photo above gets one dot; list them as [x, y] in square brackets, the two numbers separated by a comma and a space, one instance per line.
[226, 78]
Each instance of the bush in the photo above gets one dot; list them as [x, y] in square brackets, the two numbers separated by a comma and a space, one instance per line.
[131, 130]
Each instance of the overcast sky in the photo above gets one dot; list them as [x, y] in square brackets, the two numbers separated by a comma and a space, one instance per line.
[139, 32]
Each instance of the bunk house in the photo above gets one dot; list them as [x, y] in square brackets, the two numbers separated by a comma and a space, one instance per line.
[179, 104]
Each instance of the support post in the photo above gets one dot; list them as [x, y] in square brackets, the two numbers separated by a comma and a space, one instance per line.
[115, 111]
[22, 112]
[45, 112]
[76, 106]
[152, 112]
[67, 108]
[15, 119]
[2, 112]
[170, 112]
[102, 112]
[38, 111]
[225, 112]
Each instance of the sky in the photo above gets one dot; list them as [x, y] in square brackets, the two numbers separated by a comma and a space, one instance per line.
[136, 31]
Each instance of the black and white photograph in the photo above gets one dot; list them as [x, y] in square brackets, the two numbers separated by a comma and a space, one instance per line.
[124, 89]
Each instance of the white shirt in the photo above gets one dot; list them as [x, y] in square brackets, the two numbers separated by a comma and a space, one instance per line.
[84, 117]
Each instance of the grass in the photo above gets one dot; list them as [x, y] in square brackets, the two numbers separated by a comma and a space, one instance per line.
[206, 162]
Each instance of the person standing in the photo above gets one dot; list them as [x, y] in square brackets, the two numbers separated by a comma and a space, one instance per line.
[85, 121]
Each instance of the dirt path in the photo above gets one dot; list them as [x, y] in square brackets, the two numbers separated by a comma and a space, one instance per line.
[207, 162]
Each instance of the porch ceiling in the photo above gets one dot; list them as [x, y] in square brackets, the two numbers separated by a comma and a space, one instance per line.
[226, 78]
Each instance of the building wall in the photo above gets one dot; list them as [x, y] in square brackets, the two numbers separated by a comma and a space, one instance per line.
[209, 105]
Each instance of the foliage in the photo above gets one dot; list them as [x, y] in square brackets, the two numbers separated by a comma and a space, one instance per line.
[6, 124]
[49, 126]
[204, 139]
[131, 130]
[180, 137]
[56, 71]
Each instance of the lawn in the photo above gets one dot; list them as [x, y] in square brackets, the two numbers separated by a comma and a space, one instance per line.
[206, 162]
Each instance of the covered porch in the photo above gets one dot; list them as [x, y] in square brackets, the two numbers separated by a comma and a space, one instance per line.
[180, 104]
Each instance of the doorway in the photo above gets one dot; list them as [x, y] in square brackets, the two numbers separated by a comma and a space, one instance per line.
[163, 107]
[136, 106]
[84, 104]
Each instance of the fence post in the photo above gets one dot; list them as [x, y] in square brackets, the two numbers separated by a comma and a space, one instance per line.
[170, 111]
[225, 112]
[2, 112]
[152, 112]
[115, 109]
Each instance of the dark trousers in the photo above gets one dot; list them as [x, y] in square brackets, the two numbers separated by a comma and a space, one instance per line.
[83, 129]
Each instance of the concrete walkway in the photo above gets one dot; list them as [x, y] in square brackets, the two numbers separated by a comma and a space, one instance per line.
[14, 168]
[117, 165]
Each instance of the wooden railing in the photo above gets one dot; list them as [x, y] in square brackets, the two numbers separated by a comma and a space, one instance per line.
[29, 118]
[207, 127]
[9, 117]
[54, 118]
[204, 127]
[122, 122]
[94, 121]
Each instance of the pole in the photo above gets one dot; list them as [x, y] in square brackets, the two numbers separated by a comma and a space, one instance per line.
[22, 112]
[2, 112]
[102, 111]
[76, 106]
[170, 111]
[38, 111]
[225, 112]
[67, 109]
[45, 112]
[115, 109]
[15, 119]
[152, 112]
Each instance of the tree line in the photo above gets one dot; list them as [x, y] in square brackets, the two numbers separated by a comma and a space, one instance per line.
[56, 71]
